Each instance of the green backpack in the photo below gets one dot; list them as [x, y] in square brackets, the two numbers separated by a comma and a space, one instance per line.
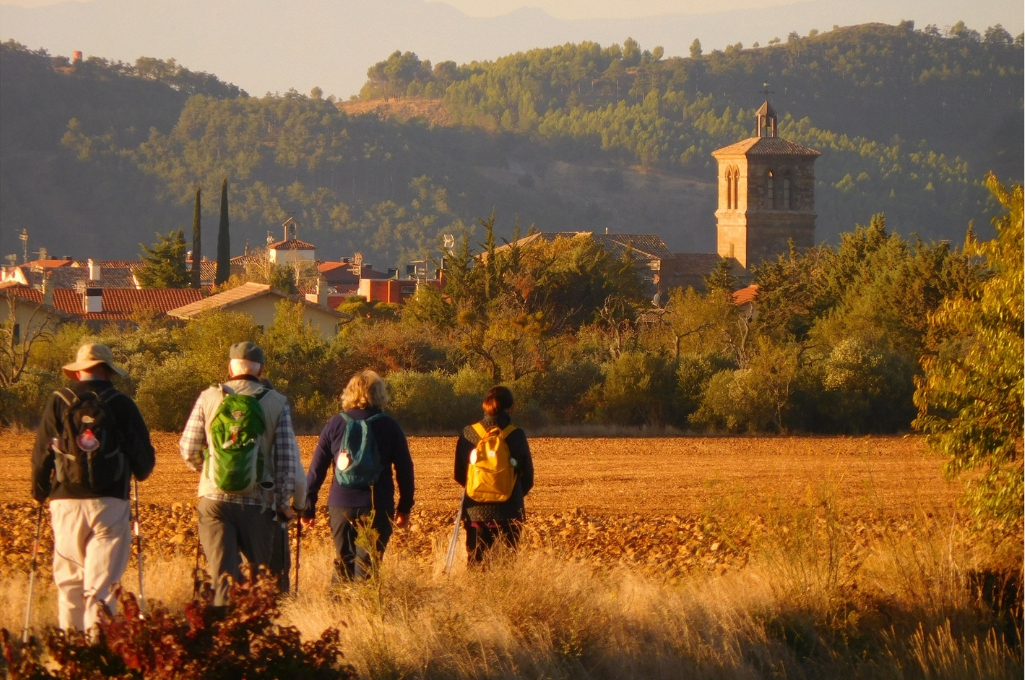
[234, 462]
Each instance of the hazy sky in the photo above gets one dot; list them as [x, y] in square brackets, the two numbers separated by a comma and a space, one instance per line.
[607, 9]
[274, 45]
[620, 9]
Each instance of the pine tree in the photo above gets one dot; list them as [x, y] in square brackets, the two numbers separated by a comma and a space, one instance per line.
[164, 262]
[223, 239]
[197, 257]
[721, 279]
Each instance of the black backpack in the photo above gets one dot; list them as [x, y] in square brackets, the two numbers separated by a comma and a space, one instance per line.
[88, 452]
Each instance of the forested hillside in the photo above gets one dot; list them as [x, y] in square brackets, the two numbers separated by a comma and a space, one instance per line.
[573, 137]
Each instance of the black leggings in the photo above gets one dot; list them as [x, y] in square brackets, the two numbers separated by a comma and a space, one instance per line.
[481, 537]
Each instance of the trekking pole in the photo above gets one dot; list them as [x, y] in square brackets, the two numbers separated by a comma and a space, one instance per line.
[32, 575]
[138, 550]
[450, 558]
[298, 544]
[197, 580]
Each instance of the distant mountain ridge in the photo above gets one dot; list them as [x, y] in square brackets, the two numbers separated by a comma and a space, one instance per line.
[97, 157]
[271, 45]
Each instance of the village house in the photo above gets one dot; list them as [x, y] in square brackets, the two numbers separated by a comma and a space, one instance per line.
[260, 302]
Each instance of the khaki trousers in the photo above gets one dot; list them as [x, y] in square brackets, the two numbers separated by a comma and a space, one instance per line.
[91, 544]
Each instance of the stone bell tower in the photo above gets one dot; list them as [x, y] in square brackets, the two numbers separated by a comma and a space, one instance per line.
[766, 194]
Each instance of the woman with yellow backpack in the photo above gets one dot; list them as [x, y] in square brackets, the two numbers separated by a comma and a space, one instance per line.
[494, 467]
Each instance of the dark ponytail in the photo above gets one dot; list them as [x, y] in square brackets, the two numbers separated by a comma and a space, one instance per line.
[499, 398]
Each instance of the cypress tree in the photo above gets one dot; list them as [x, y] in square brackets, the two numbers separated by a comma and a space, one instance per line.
[197, 258]
[223, 239]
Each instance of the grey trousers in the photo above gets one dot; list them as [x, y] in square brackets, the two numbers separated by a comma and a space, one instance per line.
[281, 556]
[229, 531]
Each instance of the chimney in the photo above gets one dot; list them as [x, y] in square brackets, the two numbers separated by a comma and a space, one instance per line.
[76, 57]
[319, 294]
[393, 273]
[94, 270]
[47, 291]
[92, 301]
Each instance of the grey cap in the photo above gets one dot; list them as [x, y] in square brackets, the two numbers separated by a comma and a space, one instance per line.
[248, 351]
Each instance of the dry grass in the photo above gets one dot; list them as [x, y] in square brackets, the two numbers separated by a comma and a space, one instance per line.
[812, 602]
[768, 557]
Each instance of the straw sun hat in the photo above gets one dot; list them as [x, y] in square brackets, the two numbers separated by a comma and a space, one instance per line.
[91, 355]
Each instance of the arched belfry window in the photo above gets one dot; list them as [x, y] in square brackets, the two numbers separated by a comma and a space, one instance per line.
[786, 192]
[732, 177]
[736, 187]
[770, 191]
[729, 188]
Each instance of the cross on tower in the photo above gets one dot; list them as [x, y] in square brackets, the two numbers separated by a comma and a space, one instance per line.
[766, 91]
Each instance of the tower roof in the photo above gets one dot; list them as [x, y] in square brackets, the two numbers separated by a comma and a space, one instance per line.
[766, 110]
[765, 146]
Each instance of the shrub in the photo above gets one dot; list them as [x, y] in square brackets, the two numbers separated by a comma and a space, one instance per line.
[730, 403]
[693, 371]
[865, 389]
[388, 347]
[166, 394]
[638, 390]
[423, 402]
[22, 403]
[565, 391]
[203, 642]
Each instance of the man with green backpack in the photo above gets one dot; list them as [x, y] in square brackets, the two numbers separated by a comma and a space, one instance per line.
[240, 437]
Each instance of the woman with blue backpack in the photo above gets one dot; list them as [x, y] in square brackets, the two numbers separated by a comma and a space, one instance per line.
[494, 467]
[360, 447]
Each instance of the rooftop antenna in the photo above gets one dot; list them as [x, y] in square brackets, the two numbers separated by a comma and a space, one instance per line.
[450, 241]
[356, 264]
[24, 244]
[270, 239]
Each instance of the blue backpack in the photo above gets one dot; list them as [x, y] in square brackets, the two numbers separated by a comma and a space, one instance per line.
[358, 461]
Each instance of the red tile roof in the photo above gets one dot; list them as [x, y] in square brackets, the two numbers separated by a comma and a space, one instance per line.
[291, 244]
[745, 295]
[49, 263]
[120, 303]
[21, 290]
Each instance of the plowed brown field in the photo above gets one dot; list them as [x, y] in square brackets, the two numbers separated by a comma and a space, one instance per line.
[596, 499]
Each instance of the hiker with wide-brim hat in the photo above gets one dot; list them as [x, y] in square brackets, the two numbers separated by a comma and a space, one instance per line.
[92, 440]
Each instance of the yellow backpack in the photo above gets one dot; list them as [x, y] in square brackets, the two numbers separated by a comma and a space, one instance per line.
[491, 475]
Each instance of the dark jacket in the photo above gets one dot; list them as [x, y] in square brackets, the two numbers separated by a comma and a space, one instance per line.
[519, 451]
[394, 450]
[135, 444]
